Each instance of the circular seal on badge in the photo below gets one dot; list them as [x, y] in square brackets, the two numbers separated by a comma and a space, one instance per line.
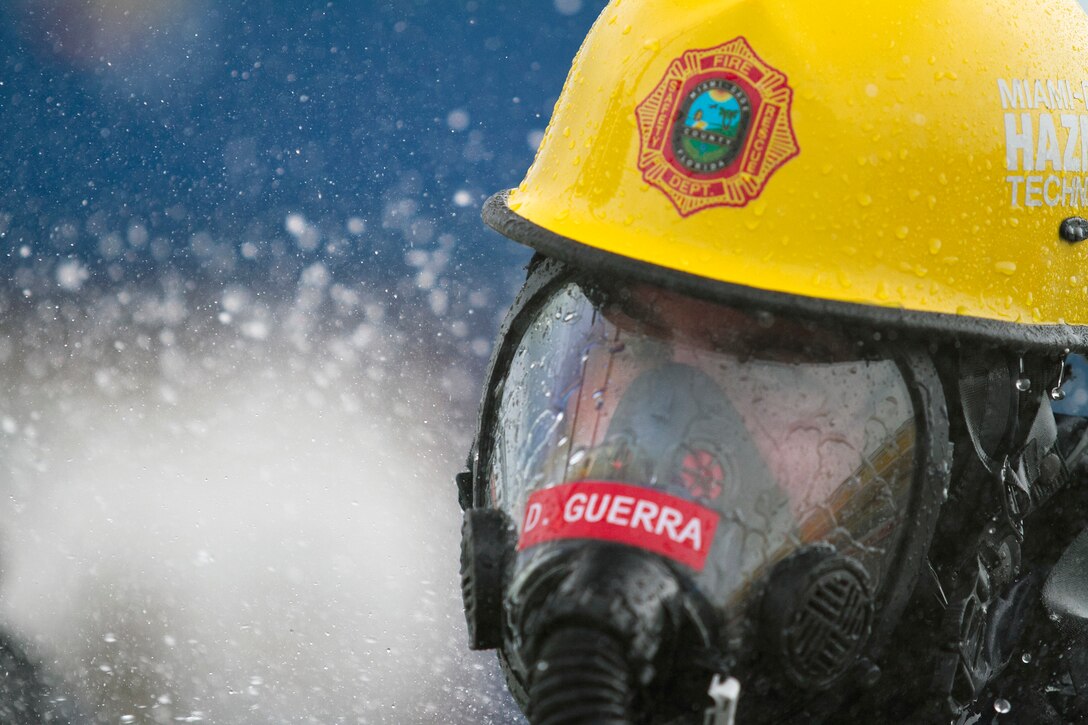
[715, 128]
[711, 127]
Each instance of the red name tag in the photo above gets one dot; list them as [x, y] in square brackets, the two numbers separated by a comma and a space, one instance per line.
[642, 517]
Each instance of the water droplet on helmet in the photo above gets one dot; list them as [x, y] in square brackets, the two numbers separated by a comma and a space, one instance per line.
[1023, 384]
[1026, 658]
[1001, 705]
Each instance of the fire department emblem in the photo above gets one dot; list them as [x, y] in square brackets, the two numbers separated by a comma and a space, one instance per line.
[715, 128]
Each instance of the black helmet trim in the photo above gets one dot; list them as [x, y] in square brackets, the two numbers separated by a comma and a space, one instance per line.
[498, 215]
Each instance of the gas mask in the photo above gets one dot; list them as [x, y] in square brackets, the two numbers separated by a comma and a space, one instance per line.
[667, 493]
[771, 432]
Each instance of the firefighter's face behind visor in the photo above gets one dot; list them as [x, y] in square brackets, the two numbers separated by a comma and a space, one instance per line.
[718, 440]
[750, 456]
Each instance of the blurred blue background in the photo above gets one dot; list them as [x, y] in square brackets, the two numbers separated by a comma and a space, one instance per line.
[247, 304]
[132, 127]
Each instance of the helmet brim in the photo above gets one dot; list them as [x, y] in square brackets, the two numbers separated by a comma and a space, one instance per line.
[498, 215]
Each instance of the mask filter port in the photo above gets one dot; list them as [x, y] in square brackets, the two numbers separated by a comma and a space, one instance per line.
[487, 543]
[817, 613]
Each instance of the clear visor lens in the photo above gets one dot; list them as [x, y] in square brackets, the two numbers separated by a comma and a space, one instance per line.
[720, 440]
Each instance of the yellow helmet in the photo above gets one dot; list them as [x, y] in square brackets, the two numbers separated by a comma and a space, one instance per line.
[921, 165]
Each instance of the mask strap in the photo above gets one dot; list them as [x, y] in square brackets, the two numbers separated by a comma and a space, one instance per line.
[981, 392]
[1029, 476]
[1033, 470]
[1040, 457]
